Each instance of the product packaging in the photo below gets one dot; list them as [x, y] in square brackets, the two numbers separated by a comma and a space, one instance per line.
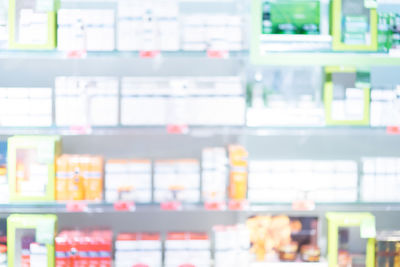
[83, 248]
[138, 249]
[354, 25]
[231, 245]
[387, 248]
[183, 248]
[26, 107]
[128, 180]
[86, 101]
[346, 97]
[32, 25]
[4, 190]
[214, 174]
[351, 239]
[31, 167]
[30, 240]
[79, 177]
[177, 180]
[238, 172]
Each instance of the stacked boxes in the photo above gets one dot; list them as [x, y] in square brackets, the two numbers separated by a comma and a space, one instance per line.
[238, 172]
[31, 167]
[289, 180]
[83, 101]
[380, 180]
[232, 244]
[177, 180]
[80, 248]
[138, 249]
[182, 100]
[148, 26]
[212, 32]
[79, 177]
[86, 30]
[25, 107]
[128, 180]
[214, 174]
[385, 107]
[187, 249]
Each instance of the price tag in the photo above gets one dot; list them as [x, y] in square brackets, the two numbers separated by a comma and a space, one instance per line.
[171, 205]
[215, 205]
[78, 54]
[149, 54]
[177, 129]
[80, 129]
[124, 206]
[187, 265]
[393, 130]
[217, 54]
[238, 204]
[77, 207]
[140, 265]
[303, 205]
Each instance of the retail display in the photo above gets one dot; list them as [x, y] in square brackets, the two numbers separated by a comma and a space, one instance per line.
[387, 248]
[317, 180]
[182, 101]
[182, 248]
[354, 25]
[85, 30]
[138, 249]
[281, 238]
[385, 107]
[380, 180]
[346, 97]
[79, 177]
[214, 175]
[351, 239]
[30, 240]
[177, 180]
[86, 101]
[231, 245]
[31, 167]
[83, 248]
[31, 26]
[26, 107]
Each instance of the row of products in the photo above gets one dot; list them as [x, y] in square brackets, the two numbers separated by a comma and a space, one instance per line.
[282, 98]
[38, 172]
[130, 26]
[351, 241]
[274, 98]
[337, 24]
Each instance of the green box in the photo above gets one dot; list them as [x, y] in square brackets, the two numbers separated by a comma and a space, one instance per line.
[45, 7]
[366, 222]
[43, 227]
[31, 167]
[295, 12]
[330, 102]
[342, 15]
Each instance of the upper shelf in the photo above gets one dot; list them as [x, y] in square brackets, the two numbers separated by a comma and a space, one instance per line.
[203, 131]
[326, 58]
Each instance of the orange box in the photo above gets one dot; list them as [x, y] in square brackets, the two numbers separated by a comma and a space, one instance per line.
[238, 172]
[62, 192]
[75, 183]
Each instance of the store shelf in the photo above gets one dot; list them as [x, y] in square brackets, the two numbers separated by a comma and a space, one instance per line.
[192, 208]
[325, 59]
[200, 131]
[60, 55]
